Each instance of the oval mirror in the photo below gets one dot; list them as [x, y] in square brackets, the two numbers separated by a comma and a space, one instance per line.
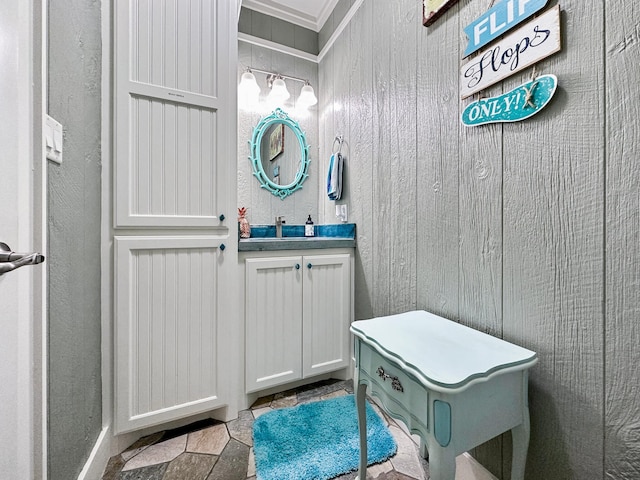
[279, 154]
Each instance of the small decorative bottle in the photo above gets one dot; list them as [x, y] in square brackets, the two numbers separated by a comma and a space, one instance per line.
[245, 228]
[308, 228]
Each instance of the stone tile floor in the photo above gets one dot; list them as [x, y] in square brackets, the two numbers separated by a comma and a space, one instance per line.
[212, 450]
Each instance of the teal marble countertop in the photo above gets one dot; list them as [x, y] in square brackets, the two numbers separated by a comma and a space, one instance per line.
[263, 238]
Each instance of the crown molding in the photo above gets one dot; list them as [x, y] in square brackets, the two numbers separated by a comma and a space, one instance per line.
[274, 9]
[340, 28]
[261, 42]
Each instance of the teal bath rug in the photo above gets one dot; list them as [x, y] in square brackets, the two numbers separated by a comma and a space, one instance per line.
[317, 441]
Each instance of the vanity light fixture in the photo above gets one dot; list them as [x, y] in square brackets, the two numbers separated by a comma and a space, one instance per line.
[249, 91]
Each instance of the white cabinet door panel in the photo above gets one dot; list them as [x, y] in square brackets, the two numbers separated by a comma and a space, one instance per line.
[166, 332]
[172, 117]
[327, 313]
[273, 312]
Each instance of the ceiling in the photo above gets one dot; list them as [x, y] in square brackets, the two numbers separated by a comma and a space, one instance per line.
[310, 14]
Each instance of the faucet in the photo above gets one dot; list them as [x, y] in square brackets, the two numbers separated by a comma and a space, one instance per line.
[279, 222]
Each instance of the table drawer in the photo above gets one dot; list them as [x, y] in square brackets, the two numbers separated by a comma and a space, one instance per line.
[401, 394]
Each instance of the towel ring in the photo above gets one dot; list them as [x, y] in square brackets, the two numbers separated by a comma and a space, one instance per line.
[340, 140]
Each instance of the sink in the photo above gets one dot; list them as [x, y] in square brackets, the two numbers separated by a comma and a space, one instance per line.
[263, 237]
[286, 239]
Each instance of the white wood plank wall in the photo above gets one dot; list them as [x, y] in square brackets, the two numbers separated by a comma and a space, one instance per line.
[528, 231]
[622, 239]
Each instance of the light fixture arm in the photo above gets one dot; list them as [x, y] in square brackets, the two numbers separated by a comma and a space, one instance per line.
[271, 76]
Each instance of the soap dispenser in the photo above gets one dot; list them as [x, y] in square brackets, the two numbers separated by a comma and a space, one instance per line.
[308, 228]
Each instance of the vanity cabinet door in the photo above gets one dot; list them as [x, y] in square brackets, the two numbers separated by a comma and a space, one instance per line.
[273, 321]
[326, 313]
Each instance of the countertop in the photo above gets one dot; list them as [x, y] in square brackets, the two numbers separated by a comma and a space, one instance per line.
[263, 238]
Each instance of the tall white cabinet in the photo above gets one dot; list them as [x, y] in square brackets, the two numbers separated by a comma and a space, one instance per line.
[298, 308]
[174, 229]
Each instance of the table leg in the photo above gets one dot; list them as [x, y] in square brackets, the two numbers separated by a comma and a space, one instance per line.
[424, 451]
[362, 428]
[520, 436]
[442, 462]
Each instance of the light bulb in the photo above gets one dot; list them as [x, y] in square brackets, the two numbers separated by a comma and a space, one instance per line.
[248, 91]
[307, 96]
[279, 92]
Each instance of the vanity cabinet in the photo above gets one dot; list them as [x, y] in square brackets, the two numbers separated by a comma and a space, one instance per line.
[298, 309]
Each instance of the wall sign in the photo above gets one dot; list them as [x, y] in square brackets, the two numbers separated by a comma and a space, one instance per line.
[496, 21]
[529, 44]
[434, 9]
[520, 103]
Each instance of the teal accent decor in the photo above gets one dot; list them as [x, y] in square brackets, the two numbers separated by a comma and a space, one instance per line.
[317, 441]
[278, 117]
[499, 19]
[263, 238]
[518, 104]
[332, 230]
[442, 422]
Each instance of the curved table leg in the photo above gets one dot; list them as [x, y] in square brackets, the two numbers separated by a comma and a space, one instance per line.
[424, 451]
[520, 436]
[362, 428]
[442, 462]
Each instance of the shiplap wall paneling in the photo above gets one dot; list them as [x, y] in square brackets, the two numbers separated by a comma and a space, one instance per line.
[438, 158]
[480, 217]
[342, 109]
[358, 194]
[622, 330]
[307, 203]
[553, 259]
[334, 115]
[326, 118]
[394, 179]
[246, 122]
[480, 213]
[262, 205]
[262, 58]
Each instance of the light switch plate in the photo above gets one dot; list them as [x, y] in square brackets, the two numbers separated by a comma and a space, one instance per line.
[53, 139]
[341, 212]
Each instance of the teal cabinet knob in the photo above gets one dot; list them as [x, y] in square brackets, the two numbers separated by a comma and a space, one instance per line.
[297, 266]
[221, 217]
[309, 265]
[222, 246]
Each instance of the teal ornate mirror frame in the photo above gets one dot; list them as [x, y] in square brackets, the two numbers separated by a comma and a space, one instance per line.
[278, 117]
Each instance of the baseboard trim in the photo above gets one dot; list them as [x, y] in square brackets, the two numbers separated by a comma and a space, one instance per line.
[98, 458]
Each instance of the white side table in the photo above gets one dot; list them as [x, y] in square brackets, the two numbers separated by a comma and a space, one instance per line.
[452, 385]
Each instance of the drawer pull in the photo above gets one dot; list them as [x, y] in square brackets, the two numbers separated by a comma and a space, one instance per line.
[395, 383]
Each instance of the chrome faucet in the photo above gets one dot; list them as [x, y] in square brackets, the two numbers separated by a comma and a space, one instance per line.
[279, 222]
